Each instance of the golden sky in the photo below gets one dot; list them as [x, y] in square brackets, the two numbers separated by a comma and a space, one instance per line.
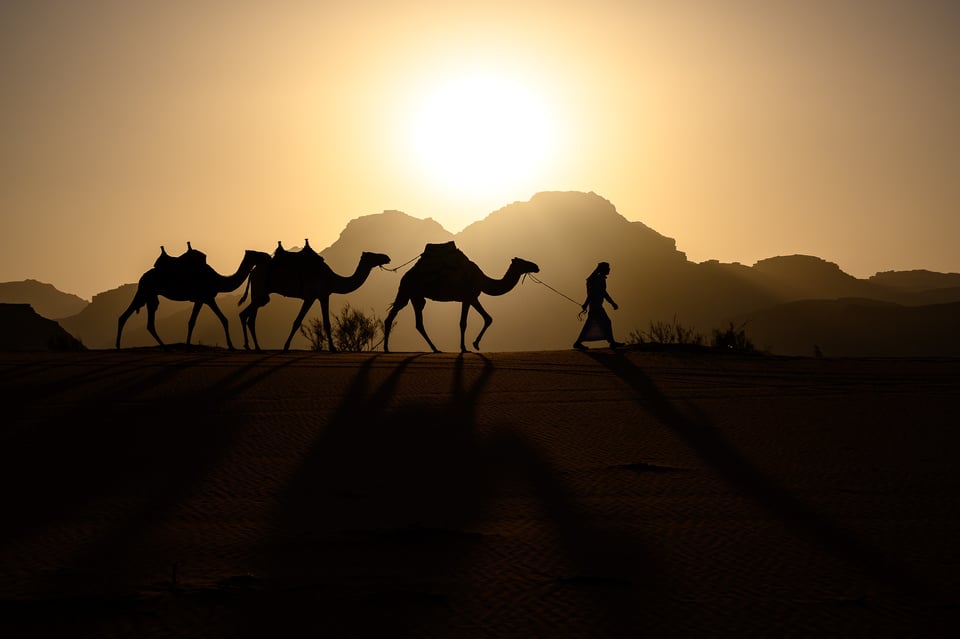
[744, 129]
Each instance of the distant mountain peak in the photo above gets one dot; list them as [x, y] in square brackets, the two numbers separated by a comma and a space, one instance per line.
[46, 299]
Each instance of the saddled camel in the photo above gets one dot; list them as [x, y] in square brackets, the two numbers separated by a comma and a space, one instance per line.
[303, 275]
[187, 278]
[444, 274]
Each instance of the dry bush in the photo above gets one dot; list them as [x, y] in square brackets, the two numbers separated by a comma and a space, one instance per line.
[661, 332]
[352, 329]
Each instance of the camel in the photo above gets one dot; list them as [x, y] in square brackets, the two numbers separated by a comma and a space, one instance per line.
[444, 274]
[186, 278]
[303, 275]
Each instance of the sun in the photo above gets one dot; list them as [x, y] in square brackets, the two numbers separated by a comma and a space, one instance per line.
[482, 134]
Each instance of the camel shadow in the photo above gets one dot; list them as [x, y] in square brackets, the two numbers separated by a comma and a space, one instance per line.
[394, 523]
[123, 449]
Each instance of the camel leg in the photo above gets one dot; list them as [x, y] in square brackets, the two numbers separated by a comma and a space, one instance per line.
[152, 305]
[134, 307]
[248, 318]
[244, 316]
[398, 304]
[464, 309]
[418, 305]
[223, 320]
[325, 315]
[307, 303]
[193, 320]
[487, 321]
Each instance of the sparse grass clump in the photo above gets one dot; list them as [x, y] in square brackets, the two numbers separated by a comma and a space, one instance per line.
[733, 338]
[661, 332]
[353, 330]
[675, 333]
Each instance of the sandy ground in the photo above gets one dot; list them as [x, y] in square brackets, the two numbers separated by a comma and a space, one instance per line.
[206, 493]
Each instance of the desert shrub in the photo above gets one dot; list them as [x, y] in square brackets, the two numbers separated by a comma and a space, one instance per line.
[352, 329]
[315, 333]
[661, 332]
[734, 338]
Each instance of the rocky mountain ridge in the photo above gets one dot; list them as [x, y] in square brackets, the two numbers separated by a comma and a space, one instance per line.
[566, 234]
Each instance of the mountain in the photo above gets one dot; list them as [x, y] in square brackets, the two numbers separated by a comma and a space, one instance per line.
[44, 298]
[25, 330]
[917, 280]
[856, 328]
[566, 234]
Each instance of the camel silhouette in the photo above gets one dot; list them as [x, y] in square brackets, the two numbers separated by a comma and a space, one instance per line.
[186, 278]
[303, 275]
[444, 274]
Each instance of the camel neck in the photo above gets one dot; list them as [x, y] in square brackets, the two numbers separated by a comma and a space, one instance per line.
[502, 286]
[351, 282]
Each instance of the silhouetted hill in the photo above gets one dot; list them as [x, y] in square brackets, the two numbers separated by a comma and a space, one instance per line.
[25, 330]
[916, 281]
[809, 277]
[566, 234]
[856, 328]
[45, 299]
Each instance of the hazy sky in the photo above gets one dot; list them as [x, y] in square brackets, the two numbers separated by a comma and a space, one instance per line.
[744, 129]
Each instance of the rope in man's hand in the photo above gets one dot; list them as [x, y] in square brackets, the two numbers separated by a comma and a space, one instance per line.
[582, 310]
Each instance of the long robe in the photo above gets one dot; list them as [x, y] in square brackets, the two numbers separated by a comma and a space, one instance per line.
[597, 325]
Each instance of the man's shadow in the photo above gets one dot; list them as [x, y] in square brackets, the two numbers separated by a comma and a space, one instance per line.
[694, 429]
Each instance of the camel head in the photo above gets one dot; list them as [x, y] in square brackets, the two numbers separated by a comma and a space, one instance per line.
[523, 267]
[371, 260]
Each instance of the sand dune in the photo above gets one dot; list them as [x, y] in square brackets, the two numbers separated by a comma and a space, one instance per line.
[206, 493]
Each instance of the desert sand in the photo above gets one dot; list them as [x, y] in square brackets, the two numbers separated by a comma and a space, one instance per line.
[208, 493]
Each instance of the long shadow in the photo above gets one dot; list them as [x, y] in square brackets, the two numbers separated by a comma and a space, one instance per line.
[377, 530]
[119, 446]
[706, 441]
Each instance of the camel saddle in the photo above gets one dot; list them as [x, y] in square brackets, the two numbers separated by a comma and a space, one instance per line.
[443, 262]
[192, 258]
[303, 258]
[445, 253]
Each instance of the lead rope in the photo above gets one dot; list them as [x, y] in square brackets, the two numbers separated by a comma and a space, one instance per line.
[579, 315]
[402, 265]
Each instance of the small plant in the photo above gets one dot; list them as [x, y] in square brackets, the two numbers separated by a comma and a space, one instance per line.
[355, 331]
[313, 330]
[352, 330]
[733, 338]
[661, 332]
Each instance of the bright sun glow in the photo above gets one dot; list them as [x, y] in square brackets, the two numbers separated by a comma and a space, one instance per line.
[482, 133]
